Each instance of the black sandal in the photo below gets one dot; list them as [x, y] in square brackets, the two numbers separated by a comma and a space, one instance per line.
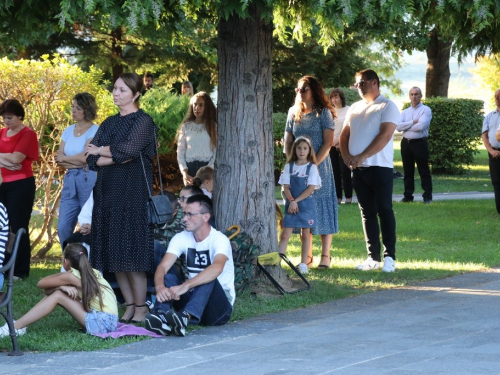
[127, 321]
[324, 266]
[139, 321]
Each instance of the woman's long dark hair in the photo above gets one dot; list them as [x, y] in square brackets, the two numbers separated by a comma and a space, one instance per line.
[320, 100]
[76, 254]
[209, 117]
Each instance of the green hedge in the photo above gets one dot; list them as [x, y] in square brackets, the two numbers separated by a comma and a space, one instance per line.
[454, 133]
[167, 110]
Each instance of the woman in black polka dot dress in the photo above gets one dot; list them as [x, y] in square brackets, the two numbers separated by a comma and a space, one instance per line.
[122, 240]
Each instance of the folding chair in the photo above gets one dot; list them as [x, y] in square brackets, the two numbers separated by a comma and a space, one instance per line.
[6, 304]
[273, 259]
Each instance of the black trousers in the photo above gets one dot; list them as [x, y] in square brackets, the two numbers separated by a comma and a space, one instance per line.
[373, 186]
[416, 151]
[494, 164]
[341, 174]
[18, 197]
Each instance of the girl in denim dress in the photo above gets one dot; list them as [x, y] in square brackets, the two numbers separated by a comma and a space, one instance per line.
[300, 179]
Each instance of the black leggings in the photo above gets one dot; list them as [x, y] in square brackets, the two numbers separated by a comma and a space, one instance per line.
[18, 197]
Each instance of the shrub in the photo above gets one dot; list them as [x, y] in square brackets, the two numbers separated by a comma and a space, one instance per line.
[168, 111]
[454, 134]
[45, 89]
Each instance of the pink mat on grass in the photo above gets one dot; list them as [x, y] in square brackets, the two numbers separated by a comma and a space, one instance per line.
[127, 330]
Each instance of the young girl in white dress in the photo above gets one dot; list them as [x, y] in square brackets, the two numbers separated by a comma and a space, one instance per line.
[300, 178]
[197, 137]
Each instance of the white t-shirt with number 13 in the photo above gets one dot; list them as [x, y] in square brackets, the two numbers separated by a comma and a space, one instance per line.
[200, 255]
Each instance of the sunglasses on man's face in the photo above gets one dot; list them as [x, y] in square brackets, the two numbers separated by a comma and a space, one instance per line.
[302, 90]
[361, 83]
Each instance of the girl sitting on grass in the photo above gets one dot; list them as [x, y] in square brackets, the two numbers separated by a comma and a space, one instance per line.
[81, 291]
[300, 178]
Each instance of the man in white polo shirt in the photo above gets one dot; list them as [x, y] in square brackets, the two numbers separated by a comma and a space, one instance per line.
[366, 145]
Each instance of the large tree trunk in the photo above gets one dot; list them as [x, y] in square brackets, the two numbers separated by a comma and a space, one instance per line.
[437, 78]
[116, 53]
[244, 175]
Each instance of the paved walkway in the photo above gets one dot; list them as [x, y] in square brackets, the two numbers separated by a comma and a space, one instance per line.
[447, 326]
[437, 196]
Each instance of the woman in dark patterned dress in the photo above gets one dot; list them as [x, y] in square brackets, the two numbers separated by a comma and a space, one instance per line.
[122, 239]
[313, 116]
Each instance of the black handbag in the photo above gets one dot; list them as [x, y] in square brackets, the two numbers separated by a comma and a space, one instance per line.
[160, 210]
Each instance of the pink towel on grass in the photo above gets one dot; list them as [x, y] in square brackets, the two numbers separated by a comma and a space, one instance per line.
[127, 330]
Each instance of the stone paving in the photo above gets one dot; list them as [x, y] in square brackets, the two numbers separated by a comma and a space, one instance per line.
[447, 326]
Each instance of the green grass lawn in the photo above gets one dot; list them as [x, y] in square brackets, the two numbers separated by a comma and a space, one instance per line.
[434, 241]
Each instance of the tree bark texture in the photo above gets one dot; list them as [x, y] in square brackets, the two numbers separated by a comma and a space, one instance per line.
[244, 175]
[437, 78]
[116, 53]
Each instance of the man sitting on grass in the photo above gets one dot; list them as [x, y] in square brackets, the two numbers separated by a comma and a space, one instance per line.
[208, 295]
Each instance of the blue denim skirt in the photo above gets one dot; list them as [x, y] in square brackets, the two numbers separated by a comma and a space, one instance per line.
[100, 322]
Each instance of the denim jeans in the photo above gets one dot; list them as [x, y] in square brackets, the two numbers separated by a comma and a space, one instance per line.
[207, 304]
[1, 280]
[373, 186]
[159, 252]
[77, 186]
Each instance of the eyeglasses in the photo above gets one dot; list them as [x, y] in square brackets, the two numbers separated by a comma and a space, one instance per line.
[302, 90]
[361, 83]
[189, 215]
[183, 198]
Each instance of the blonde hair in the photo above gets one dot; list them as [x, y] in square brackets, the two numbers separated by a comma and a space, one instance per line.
[203, 174]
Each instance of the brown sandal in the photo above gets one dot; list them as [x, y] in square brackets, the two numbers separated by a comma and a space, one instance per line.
[324, 266]
[310, 261]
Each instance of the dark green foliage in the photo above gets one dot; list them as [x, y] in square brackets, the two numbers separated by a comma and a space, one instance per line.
[279, 124]
[454, 134]
[351, 95]
[167, 110]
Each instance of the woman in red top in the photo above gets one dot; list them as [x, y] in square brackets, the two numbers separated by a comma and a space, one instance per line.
[18, 149]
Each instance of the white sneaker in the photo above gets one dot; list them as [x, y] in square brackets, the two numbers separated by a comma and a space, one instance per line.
[368, 265]
[302, 267]
[4, 331]
[389, 265]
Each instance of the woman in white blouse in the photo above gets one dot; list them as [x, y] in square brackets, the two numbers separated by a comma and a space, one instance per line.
[197, 137]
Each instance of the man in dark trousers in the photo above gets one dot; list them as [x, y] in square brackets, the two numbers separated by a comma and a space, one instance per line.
[414, 124]
[366, 143]
[490, 126]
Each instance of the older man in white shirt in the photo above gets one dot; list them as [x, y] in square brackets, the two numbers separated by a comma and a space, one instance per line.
[414, 124]
[491, 140]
